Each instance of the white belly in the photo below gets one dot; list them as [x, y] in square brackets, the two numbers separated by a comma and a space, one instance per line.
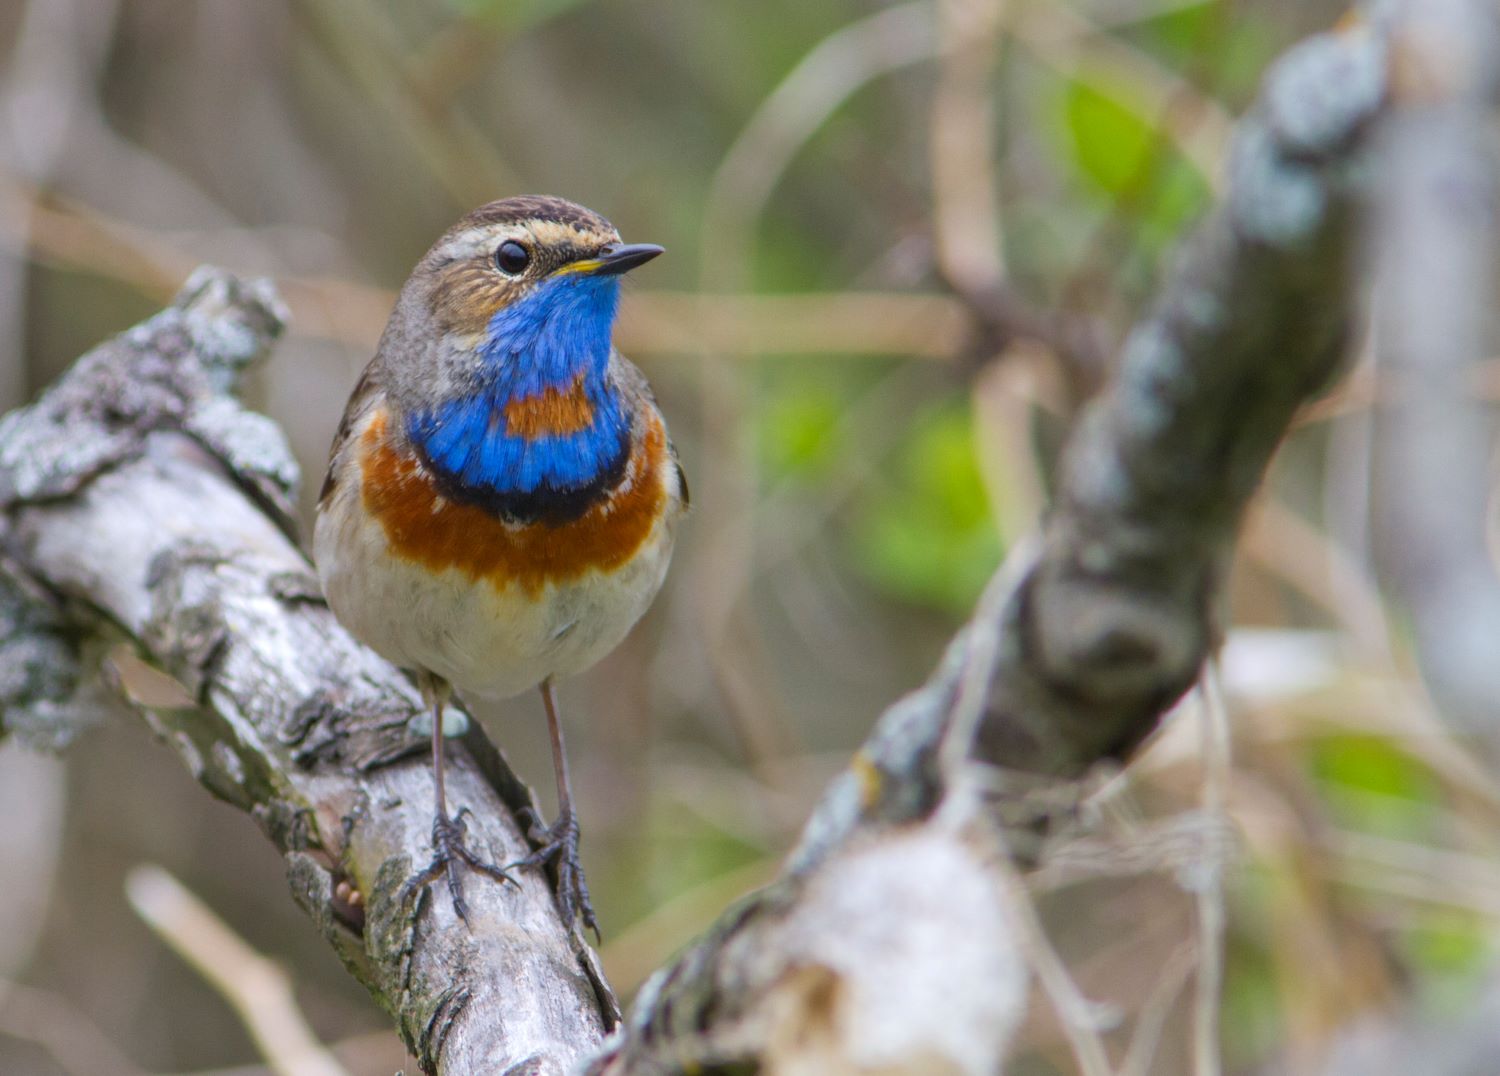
[486, 640]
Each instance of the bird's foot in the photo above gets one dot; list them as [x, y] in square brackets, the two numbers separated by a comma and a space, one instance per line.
[448, 852]
[557, 845]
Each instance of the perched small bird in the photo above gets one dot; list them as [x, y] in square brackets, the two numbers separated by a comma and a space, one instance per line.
[502, 494]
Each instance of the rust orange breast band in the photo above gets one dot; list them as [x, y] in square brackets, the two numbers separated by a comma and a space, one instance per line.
[425, 528]
[553, 412]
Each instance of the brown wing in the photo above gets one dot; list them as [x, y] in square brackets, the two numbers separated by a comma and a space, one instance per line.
[636, 388]
[366, 390]
[687, 498]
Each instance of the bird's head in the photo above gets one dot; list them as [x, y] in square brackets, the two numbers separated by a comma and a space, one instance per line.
[515, 269]
[498, 350]
[523, 290]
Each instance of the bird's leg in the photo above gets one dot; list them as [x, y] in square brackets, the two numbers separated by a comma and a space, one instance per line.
[448, 848]
[558, 843]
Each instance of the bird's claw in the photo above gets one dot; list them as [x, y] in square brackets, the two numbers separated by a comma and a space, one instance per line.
[557, 845]
[448, 851]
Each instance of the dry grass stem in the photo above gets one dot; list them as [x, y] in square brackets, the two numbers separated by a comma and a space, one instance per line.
[256, 988]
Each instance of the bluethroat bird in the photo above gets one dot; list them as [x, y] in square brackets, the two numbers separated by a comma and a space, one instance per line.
[502, 494]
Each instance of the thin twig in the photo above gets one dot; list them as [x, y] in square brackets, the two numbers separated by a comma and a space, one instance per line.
[961, 151]
[68, 234]
[1438, 875]
[256, 988]
[1082, 1018]
[1148, 1026]
[1280, 541]
[1213, 718]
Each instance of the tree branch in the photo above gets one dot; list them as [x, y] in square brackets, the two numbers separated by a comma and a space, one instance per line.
[142, 504]
[1088, 634]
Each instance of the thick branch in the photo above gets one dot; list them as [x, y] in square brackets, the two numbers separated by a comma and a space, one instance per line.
[1095, 628]
[1112, 622]
[143, 504]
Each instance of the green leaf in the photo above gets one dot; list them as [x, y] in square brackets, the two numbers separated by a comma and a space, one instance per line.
[1110, 141]
[1241, 42]
[1179, 196]
[1450, 942]
[1253, 1024]
[1129, 158]
[1373, 786]
[799, 421]
[926, 536]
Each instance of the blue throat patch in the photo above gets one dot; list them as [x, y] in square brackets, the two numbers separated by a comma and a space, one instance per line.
[547, 341]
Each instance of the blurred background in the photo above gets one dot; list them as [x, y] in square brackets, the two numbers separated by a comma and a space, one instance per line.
[904, 240]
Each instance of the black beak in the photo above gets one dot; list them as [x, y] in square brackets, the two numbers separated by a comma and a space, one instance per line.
[618, 258]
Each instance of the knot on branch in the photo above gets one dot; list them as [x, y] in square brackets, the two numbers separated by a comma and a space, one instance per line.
[1103, 641]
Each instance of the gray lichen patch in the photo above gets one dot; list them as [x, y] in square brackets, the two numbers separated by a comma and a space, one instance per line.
[252, 446]
[229, 320]
[171, 372]
[1274, 197]
[46, 695]
[1324, 90]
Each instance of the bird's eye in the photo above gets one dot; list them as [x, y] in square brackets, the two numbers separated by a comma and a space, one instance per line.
[512, 257]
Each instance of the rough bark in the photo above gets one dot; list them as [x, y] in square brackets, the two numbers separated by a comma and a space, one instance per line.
[144, 509]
